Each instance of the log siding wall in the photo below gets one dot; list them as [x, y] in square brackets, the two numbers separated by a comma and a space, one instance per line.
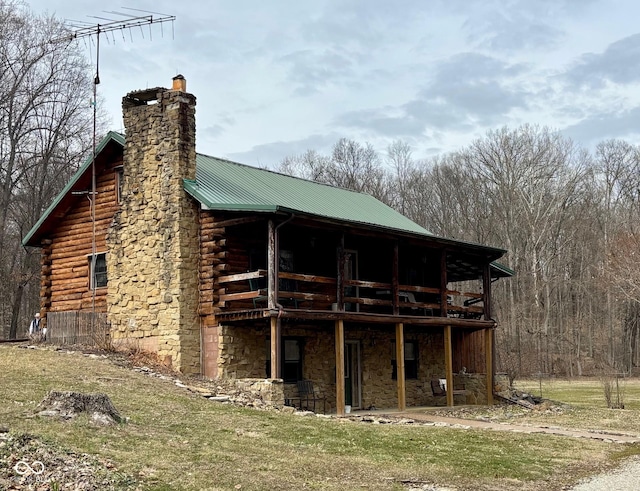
[66, 253]
[213, 255]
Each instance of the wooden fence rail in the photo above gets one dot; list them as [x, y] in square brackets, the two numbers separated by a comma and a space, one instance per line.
[74, 327]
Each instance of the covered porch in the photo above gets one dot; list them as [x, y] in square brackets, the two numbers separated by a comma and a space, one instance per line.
[366, 365]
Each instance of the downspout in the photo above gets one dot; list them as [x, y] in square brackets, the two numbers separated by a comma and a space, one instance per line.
[276, 327]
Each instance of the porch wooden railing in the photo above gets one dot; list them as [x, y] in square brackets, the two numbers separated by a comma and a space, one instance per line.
[360, 292]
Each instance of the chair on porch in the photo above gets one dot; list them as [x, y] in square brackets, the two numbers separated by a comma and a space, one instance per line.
[284, 285]
[308, 397]
[439, 388]
[254, 284]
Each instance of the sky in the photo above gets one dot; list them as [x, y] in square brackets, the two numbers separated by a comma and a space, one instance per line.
[276, 78]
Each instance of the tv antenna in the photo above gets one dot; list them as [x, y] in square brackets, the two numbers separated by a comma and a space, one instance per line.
[130, 23]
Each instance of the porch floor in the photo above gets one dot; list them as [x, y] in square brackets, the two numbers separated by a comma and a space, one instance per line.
[416, 413]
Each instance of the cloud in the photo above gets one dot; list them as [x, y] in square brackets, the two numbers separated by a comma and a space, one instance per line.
[387, 121]
[356, 24]
[617, 64]
[466, 90]
[310, 70]
[271, 154]
[223, 121]
[512, 31]
[606, 125]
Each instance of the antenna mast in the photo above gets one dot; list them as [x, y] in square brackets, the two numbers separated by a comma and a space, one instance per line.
[80, 30]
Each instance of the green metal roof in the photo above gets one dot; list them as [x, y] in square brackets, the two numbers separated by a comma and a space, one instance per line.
[501, 271]
[224, 185]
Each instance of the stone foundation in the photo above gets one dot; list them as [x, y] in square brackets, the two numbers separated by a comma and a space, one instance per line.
[243, 355]
[270, 391]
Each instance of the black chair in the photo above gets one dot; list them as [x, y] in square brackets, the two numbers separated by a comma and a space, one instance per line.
[308, 396]
[254, 284]
[284, 285]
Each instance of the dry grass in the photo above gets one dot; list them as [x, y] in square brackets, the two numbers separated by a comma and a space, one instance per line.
[588, 407]
[175, 440]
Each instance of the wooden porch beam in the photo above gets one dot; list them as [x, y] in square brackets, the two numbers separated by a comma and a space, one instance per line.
[251, 275]
[488, 337]
[402, 395]
[395, 289]
[339, 339]
[238, 221]
[486, 291]
[488, 350]
[272, 266]
[340, 275]
[357, 317]
[448, 364]
[443, 284]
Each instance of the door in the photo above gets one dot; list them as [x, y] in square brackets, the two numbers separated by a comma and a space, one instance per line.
[352, 375]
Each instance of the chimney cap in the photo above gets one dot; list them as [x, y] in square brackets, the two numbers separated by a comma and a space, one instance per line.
[179, 83]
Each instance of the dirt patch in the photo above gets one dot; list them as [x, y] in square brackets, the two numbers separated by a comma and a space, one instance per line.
[26, 462]
[452, 419]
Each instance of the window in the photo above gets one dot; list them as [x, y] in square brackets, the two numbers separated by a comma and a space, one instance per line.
[291, 359]
[98, 271]
[119, 183]
[410, 360]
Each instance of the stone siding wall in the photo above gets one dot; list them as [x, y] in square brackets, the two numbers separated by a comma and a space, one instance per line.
[243, 354]
[153, 243]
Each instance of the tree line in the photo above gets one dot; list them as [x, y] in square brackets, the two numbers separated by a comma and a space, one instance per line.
[567, 217]
[45, 129]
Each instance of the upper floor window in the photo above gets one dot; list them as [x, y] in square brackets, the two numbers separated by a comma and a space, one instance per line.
[119, 183]
[98, 270]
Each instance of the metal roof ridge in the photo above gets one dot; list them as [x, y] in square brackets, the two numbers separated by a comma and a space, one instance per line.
[240, 164]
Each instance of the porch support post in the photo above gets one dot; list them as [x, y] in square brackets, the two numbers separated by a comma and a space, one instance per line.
[488, 350]
[448, 364]
[443, 284]
[402, 396]
[340, 368]
[488, 333]
[395, 288]
[486, 291]
[272, 268]
[340, 276]
[275, 348]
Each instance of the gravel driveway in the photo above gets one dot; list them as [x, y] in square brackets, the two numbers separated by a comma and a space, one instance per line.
[624, 478]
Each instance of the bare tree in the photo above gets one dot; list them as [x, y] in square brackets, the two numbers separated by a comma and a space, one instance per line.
[569, 221]
[45, 124]
[351, 166]
[309, 165]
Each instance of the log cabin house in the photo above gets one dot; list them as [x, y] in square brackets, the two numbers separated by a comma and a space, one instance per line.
[233, 271]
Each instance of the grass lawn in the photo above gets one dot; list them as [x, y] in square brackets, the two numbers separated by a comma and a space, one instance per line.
[175, 440]
[588, 405]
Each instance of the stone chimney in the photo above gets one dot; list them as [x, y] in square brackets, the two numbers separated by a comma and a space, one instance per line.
[152, 244]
